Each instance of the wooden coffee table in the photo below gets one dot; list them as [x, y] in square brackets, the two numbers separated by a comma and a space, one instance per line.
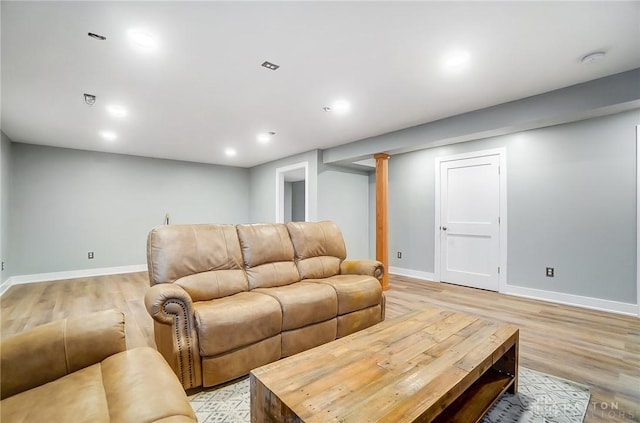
[432, 365]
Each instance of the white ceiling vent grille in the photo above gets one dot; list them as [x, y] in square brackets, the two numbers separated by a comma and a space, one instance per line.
[269, 65]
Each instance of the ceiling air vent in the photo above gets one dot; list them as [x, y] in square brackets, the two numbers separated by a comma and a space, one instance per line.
[90, 99]
[97, 36]
[270, 65]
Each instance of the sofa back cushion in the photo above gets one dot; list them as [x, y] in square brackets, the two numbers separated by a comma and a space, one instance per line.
[268, 255]
[50, 351]
[204, 259]
[319, 248]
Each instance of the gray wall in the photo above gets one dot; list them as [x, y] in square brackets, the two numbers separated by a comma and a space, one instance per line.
[5, 183]
[65, 203]
[571, 205]
[297, 201]
[262, 187]
[343, 197]
[288, 199]
[294, 201]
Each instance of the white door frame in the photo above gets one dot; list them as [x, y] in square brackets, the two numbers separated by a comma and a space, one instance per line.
[502, 156]
[281, 172]
[638, 217]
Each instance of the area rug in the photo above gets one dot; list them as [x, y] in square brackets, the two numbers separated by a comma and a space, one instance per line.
[541, 398]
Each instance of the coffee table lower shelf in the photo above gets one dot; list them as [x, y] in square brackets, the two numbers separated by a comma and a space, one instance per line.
[474, 403]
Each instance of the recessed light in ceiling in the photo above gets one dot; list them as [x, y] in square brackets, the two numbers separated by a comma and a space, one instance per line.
[339, 106]
[597, 56]
[265, 137]
[108, 135]
[230, 152]
[456, 61]
[116, 110]
[97, 36]
[142, 39]
[269, 65]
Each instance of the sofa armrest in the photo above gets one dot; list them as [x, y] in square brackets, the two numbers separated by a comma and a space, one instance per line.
[362, 267]
[48, 352]
[171, 308]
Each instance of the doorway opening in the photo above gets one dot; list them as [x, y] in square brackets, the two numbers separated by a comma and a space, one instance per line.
[292, 193]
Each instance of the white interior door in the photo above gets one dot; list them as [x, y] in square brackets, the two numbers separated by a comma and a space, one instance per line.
[470, 222]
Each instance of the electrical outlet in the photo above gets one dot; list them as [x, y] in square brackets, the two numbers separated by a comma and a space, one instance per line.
[550, 271]
[90, 255]
[399, 254]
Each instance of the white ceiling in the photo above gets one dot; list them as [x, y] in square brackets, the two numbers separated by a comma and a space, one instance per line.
[202, 90]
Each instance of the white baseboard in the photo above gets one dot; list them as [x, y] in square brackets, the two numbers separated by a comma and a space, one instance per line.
[412, 273]
[5, 285]
[539, 294]
[574, 300]
[70, 274]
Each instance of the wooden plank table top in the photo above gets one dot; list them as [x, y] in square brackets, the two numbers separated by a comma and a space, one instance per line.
[407, 369]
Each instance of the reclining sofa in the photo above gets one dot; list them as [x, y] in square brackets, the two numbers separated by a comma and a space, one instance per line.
[226, 299]
[79, 370]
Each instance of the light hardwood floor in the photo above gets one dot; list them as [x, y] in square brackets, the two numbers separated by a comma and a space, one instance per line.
[598, 349]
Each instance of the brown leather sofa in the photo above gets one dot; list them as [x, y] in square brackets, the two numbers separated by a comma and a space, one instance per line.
[78, 370]
[229, 298]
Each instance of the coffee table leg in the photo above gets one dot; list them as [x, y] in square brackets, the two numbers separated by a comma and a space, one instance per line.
[508, 364]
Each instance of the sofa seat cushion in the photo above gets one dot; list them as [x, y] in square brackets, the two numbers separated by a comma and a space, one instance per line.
[225, 324]
[304, 303]
[355, 292]
[134, 386]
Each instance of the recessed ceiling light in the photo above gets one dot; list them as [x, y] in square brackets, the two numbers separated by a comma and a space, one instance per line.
[594, 57]
[339, 106]
[265, 137]
[456, 61]
[230, 152]
[108, 135]
[116, 111]
[142, 39]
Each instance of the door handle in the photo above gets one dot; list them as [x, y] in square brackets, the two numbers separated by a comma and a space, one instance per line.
[444, 228]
